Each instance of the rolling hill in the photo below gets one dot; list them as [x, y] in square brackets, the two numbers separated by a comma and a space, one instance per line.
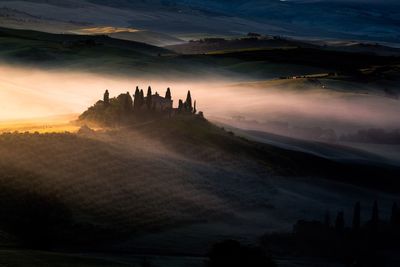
[46, 46]
[148, 184]
[350, 20]
[303, 106]
[237, 59]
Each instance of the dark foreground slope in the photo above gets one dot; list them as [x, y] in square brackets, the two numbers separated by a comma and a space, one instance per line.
[180, 180]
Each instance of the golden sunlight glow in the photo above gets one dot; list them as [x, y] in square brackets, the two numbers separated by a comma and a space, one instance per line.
[56, 124]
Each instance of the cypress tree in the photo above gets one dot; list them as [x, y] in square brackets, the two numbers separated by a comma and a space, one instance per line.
[375, 216]
[327, 219]
[339, 224]
[106, 98]
[180, 105]
[188, 102]
[148, 99]
[141, 98]
[357, 216]
[128, 102]
[168, 94]
[136, 101]
[395, 217]
[194, 108]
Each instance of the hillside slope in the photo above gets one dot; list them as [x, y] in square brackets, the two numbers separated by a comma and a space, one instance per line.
[372, 21]
[150, 183]
[93, 52]
[248, 59]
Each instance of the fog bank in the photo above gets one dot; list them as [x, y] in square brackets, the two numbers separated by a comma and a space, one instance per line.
[29, 93]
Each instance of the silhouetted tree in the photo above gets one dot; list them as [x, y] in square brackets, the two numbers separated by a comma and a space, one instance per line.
[136, 101]
[106, 98]
[327, 219]
[194, 108]
[141, 97]
[375, 217]
[128, 103]
[357, 216]
[188, 102]
[148, 98]
[339, 224]
[180, 105]
[395, 217]
[168, 94]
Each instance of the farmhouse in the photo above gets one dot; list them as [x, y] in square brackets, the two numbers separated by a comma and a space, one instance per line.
[160, 103]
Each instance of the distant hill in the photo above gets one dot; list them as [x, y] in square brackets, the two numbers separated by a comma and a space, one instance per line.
[148, 37]
[235, 59]
[215, 45]
[75, 41]
[14, 19]
[94, 52]
[260, 42]
[346, 20]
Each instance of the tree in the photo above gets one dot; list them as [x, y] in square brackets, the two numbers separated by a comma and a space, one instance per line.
[128, 102]
[106, 98]
[168, 94]
[327, 219]
[188, 102]
[148, 98]
[357, 216]
[180, 105]
[375, 217]
[141, 98]
[137, 100]
[395, 217]
[339, 224]
[194, 108]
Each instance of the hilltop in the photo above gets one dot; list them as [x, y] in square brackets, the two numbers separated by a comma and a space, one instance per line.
[122, 110]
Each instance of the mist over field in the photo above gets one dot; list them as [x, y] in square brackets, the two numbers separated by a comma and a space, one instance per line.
[34, 93]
